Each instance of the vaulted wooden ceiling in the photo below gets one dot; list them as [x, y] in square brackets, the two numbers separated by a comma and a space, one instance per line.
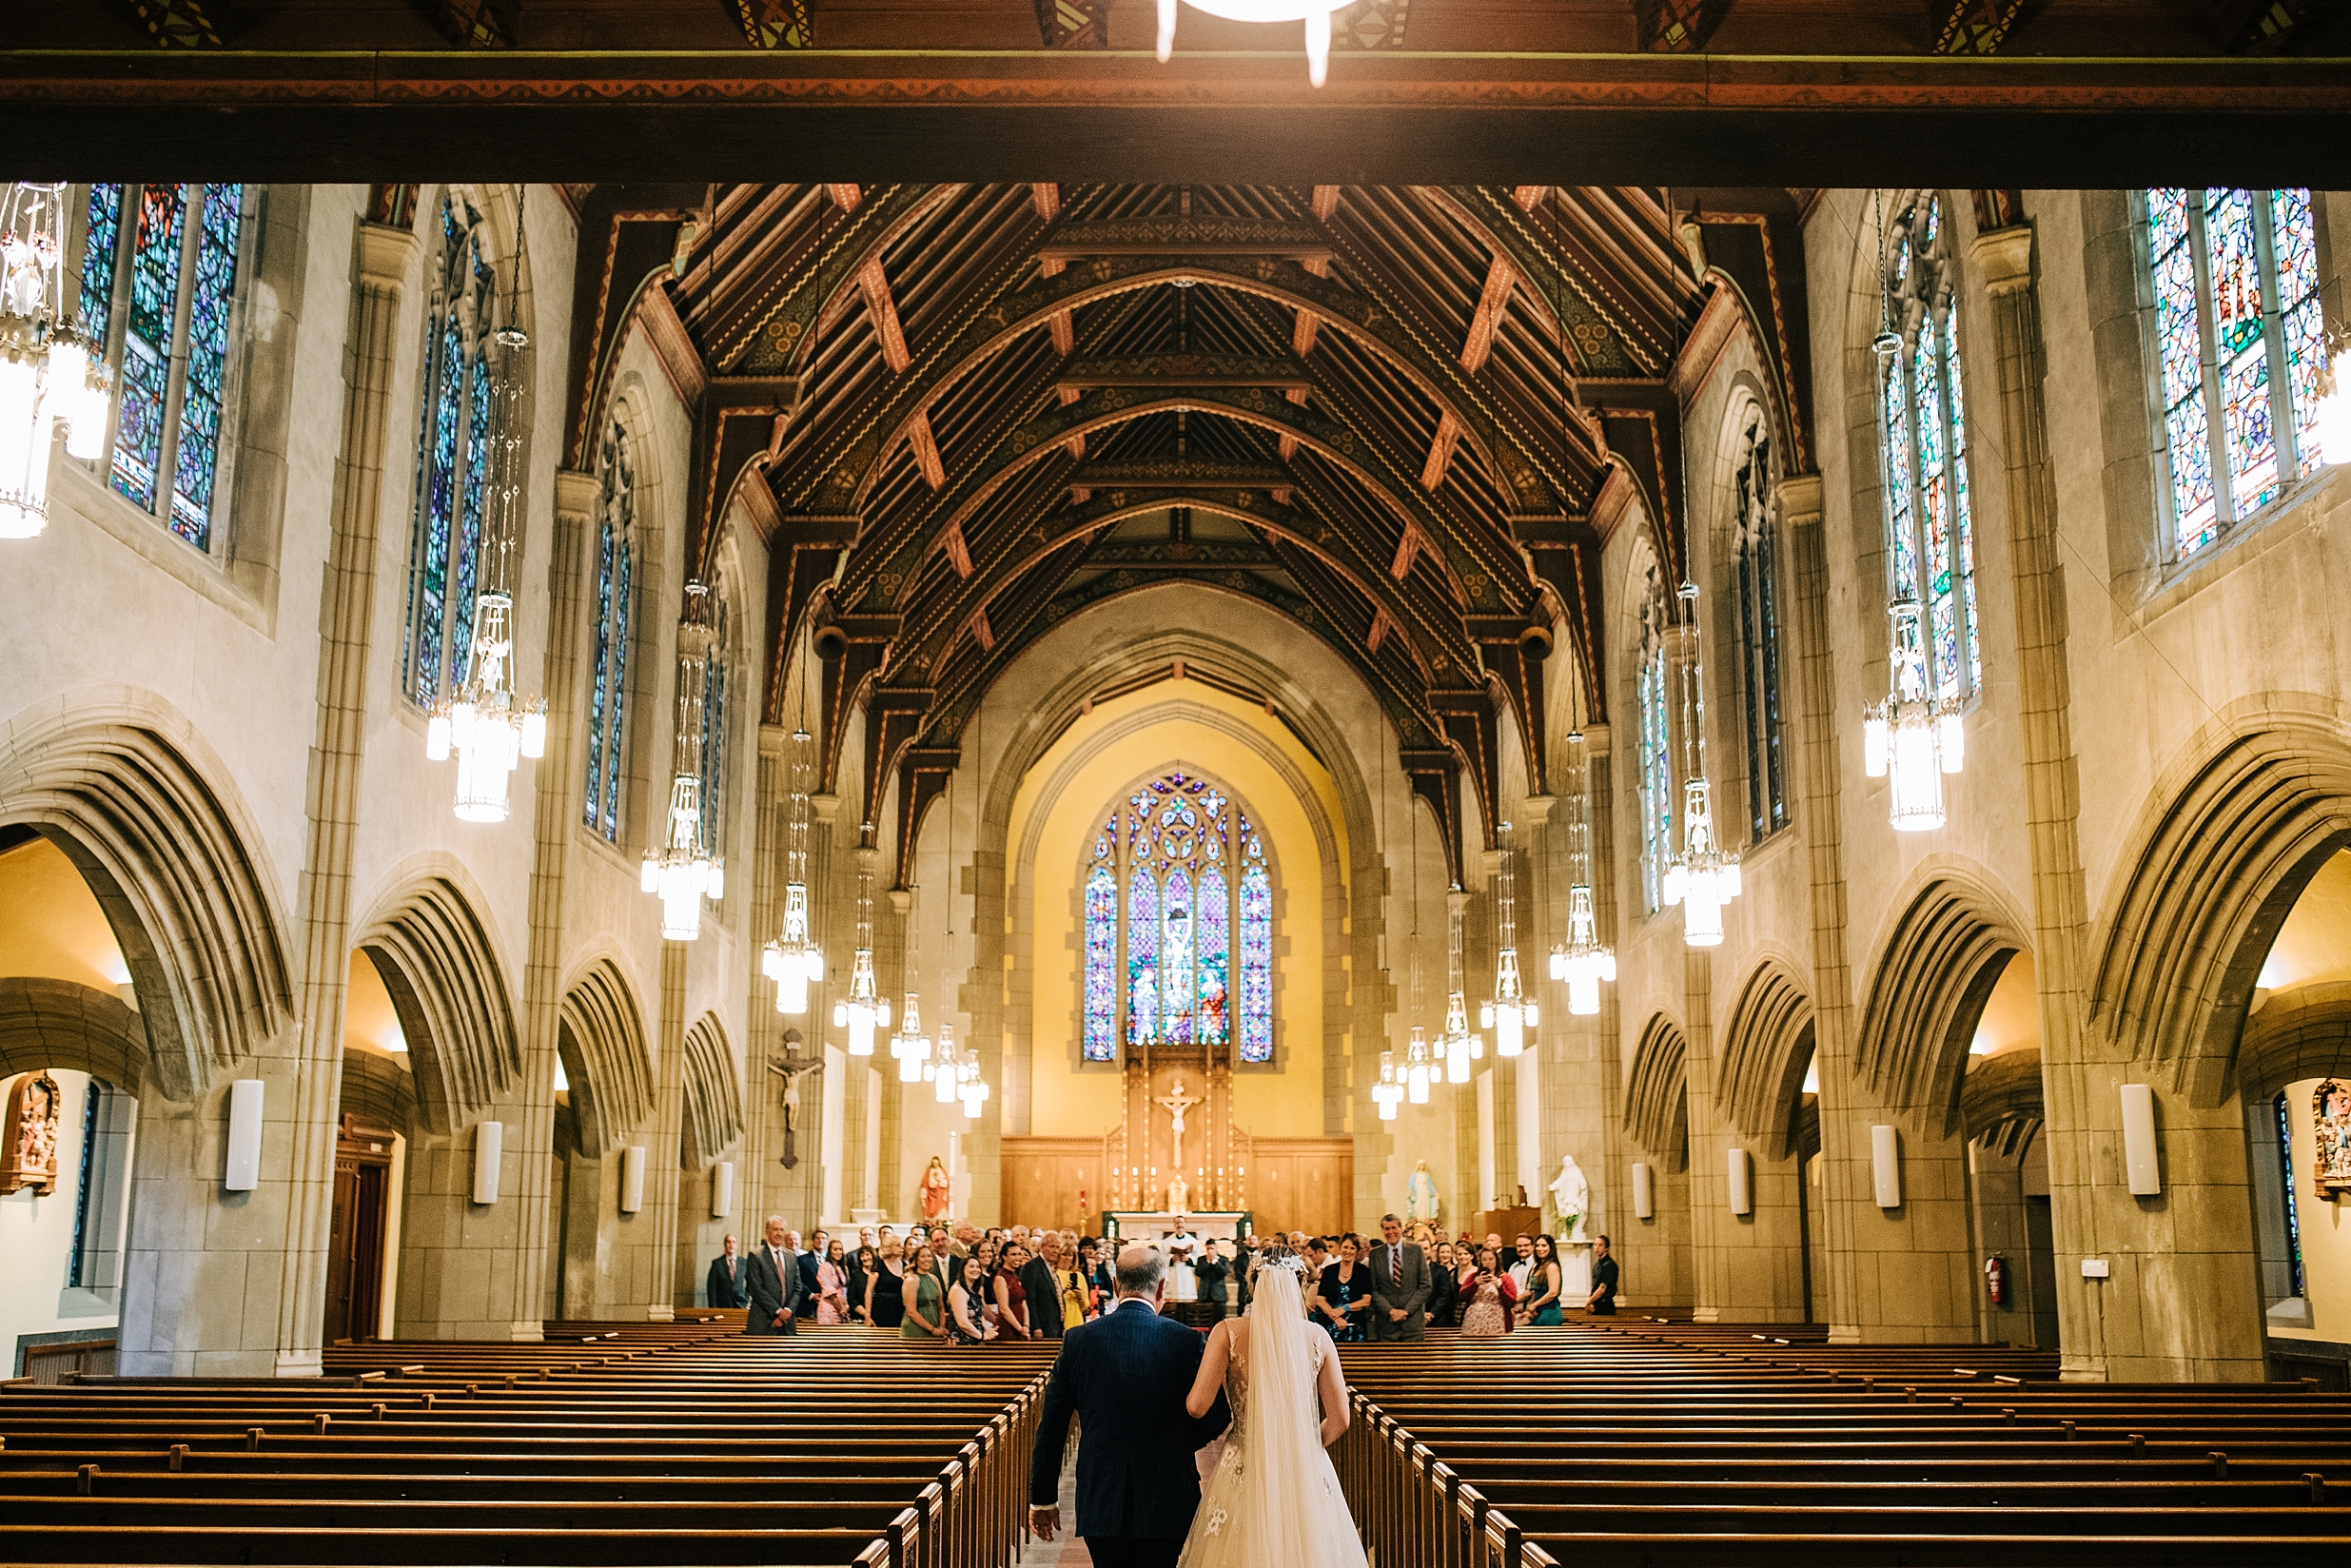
[1405, 418]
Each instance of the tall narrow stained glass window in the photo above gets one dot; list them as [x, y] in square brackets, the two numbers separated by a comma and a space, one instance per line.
[1657, 780]
[1757, 547]
[616, 602]
[452, 454]
[1175, 871]
[1923, 407]
[2239, 344]
[161, 269]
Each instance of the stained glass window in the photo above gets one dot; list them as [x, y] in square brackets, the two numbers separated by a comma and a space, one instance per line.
[1193, 867]
[608, 687]
[452, 455]
[2239, 346]
[1757, 543]
[158, 298]
[1657, 774]
[1922, 407]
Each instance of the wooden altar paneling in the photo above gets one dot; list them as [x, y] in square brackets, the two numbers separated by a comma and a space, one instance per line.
[1303, 1184]
[1043, 1178]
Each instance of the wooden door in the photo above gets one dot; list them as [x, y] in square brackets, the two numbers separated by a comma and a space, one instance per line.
[355, 1234]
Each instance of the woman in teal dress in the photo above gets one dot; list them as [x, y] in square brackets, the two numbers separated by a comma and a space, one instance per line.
[926, 1302]
[1542, 1287]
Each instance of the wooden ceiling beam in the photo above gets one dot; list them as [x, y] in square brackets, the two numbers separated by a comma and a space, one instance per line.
[1502, 276]
[875, 285]
[1441, 451]
[926, 449]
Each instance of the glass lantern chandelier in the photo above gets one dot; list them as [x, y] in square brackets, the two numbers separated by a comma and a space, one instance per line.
[483, 721]
[1580, 961]
[862, 1010]
[793, 960]
[1703, 877]
[1511, 1012]
[1315, 13]
[48, 378]
[1387, 1093]
[1456, 1044]
[911, 1046]
[1911, 738]
[683, 872]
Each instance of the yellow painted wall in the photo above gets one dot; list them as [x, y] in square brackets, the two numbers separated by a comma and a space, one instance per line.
[51, 923]
[1069, 1103]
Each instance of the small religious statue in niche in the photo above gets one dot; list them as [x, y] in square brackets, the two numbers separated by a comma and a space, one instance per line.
[28, 1153]
[1422, 1201]
[938, 1189]
[791, 1069]
[1179, 1195]
[1570, 1199]
[2330, 1125]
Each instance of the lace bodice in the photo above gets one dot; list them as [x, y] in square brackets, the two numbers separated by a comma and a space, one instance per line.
[1237, 1388]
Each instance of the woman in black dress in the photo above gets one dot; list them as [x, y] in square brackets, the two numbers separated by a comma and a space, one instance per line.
[1344, 1296]
[886, 1290]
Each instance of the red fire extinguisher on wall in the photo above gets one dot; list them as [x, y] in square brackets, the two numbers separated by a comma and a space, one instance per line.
[1996, 1279]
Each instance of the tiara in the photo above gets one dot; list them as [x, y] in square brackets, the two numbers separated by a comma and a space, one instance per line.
[1286, 1259]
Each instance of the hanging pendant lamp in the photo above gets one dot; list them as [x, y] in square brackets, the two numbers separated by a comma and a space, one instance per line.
[1581, 963]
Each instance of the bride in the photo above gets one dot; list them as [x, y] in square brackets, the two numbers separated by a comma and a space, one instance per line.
[1273, 1497]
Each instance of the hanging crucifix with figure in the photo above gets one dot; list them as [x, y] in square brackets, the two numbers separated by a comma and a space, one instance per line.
[791, 1069]
[1179, 1191]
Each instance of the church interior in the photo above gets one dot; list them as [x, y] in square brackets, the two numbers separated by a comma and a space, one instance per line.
[1058, 671]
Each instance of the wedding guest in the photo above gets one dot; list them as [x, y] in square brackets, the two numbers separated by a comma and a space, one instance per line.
[1345, 1294]
[1494, 1245]
[831, 1286]
[1318, 1251]
[1213, 1271]
[1070, 1285]
[1444, 1284]
[884, 1288]
[1540, 1303]
[1040, 1283]
[1399, 1282]
[1101, 1279]
[1013, 1315]
[924, 1299]
[861, 1266]
[808, 1259]
[967, 1318]
[726, 1278]
[1488, 1296]
[1602, 1301]
[1517, 1259]
[772, 1282]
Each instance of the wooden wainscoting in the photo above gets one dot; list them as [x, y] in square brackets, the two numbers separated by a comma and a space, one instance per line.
[1043, 1178]
[1303, 1183]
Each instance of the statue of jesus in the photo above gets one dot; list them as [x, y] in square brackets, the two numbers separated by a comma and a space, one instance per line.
[1176, 1105]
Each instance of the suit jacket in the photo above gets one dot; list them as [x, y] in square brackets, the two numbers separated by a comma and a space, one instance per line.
[770, 1292]
[1124, 1375]
[726, 1285]
[807, 1307]
[1410, 1291]
[1044, 1294]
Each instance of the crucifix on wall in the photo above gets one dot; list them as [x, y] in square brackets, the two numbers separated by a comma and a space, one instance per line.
[1176, 1105]
[791, 1069]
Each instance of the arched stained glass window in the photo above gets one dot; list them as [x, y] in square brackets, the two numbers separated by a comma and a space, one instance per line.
[1656, 773]
[160, 266]
[1192, 867]
[2236, 301]
[1757, 547]
[616, 602]
[452, 451]
[1930, 506]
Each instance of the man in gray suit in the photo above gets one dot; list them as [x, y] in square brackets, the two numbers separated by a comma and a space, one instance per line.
[772, 1281]
[1400, 1284]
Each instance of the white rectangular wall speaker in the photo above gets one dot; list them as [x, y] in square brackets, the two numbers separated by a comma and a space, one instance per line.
[2139, 1162]
[489, 1144]
[1742, 1174]
[631, 1178]
[722, 1189]
[244, 1136]
[1886, 1166]
[1644, 1196]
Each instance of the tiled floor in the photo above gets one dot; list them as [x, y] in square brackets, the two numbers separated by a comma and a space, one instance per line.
[1064, 1550]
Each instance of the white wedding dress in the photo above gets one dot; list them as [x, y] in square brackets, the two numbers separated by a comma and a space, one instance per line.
[1274, 1497]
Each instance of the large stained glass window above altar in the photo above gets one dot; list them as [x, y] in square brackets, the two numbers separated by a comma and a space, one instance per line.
[1178, 871]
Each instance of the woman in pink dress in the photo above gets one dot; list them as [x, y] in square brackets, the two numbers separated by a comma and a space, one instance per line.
[833, 1286]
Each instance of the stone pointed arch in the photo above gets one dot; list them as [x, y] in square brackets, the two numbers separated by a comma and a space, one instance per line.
[47, 1023]
[1933, 977]
[1657, 1094]
[2001, 1102]
[713, 1096]
[375, 1088]
[600, 1038]
[1759, 1079]
[120, 782]
[2233, 837]
[449, 989]
[2301, 1033]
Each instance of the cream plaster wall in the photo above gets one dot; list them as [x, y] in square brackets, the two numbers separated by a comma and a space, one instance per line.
[36, 1235]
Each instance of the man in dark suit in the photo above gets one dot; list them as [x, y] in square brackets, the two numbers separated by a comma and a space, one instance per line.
[1126, 1377]
[1400, 1284]
[808, 1275]
[771, 1279]
[1042, 1289]
[726, 1278]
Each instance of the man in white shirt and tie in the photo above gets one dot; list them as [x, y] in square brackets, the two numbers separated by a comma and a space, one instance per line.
[773, 1283]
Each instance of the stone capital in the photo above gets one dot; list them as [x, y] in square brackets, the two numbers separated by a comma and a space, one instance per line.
[575, 493]
[1536, 809]
[1596, 739]
[2004, 259]
[828, 806]
[385, 255]
[902, 901]
[1801, 499]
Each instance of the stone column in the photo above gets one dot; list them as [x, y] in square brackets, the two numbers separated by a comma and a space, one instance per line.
[2193, 1244]
[381, 260]
[555, 813]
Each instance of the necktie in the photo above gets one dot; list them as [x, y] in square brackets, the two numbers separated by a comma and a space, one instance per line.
[1396, 1265]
